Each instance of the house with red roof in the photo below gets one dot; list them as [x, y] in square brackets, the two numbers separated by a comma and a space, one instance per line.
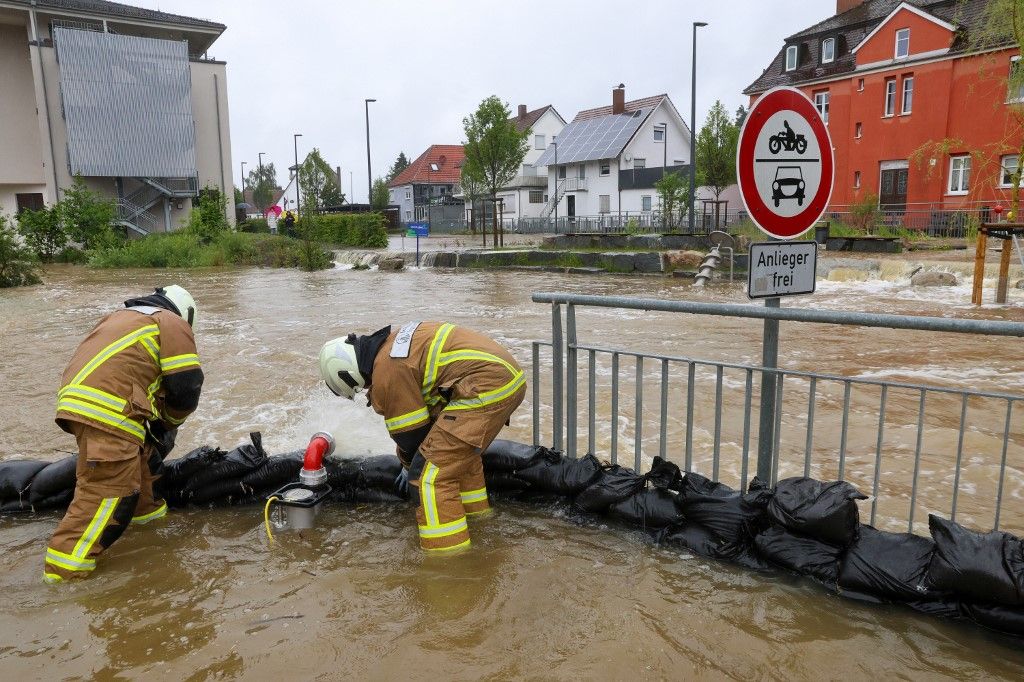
[431, 180]
[916, 98]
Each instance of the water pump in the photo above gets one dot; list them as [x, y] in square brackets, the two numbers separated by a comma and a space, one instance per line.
[298, 503]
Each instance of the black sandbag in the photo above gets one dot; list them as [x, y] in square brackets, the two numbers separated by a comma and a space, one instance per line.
[378, 496]
[650, 508]
[240, 461]
[59, 501]
[55, 479]
[1002, 618]
[983, 567]
[665, 475]
[15, 477]
[378, 472]
[507, 455]
[732, 516]
[691, 536]
[224, 491]
[15, 506]
[615, 484]
[882, 566]
[799, 553]
[275, 472]
[504, 482]
[825, 511]
[178, 471]
[551, 473]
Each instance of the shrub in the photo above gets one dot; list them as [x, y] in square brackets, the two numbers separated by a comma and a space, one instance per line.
[17, 262]
[186, 250]
[366, 230]
[43, 232]
[255, 226]
[865, 214]
[208, 220]
[87, 217]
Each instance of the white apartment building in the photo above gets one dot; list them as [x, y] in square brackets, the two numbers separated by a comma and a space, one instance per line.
[527, 194]
[125, 97]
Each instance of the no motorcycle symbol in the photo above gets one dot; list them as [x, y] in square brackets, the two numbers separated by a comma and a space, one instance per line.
[785, 163]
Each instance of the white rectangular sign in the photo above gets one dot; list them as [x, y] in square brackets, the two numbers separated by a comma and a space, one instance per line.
[781, 269]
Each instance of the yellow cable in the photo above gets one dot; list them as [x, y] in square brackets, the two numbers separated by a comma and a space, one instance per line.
[266, 518]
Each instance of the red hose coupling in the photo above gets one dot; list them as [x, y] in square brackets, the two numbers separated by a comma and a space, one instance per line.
[313, 473]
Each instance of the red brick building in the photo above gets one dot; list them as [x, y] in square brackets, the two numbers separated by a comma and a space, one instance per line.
[920, 115]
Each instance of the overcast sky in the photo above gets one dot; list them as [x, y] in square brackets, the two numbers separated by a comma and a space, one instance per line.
[305, 66]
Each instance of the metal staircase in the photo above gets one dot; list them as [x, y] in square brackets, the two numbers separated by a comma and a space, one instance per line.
[133, 209]
[564, 185]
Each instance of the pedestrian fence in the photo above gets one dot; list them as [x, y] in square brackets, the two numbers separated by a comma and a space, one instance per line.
[913, 447]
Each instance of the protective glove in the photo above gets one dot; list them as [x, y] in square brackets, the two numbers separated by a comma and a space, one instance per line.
[402, 483]
[161, 437]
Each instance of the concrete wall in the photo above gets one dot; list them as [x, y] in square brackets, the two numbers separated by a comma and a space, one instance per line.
[23, 168]
[213, 130]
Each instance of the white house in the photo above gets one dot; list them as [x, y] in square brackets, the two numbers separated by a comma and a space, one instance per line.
[606, 161]
[527, 193]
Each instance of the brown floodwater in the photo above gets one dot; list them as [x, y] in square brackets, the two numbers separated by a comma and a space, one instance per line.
[201, 595]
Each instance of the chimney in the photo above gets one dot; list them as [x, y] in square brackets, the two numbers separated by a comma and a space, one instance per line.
[619, 99]
[846, 5]
[522, 111]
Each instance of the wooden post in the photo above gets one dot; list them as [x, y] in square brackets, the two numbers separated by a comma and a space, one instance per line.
[1004, 270]
[979, 265]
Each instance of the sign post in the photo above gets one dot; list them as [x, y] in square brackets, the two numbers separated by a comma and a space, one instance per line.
[418, 230]
[785, 169]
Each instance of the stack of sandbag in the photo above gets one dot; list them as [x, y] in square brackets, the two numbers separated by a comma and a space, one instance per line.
[811, 523]
[15, 482]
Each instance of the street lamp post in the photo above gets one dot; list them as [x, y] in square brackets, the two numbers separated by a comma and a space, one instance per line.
[693, 124]
[556, 185]
[663, 127]
[244, 164]
[298, 201]
[369, 173]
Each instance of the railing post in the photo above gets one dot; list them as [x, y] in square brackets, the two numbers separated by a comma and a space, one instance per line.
[769, 361]
[571, 397]
[557, 360]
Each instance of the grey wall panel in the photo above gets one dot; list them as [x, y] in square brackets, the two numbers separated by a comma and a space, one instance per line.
[127, 104]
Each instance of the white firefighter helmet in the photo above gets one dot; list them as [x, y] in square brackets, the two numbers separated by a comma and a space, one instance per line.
[340, 369]
[182, 300]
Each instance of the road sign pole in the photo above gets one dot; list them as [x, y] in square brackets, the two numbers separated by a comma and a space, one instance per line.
[769, 382]
[417, 249]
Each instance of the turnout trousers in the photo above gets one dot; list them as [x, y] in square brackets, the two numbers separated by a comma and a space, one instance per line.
[114, 488]
[449, 472]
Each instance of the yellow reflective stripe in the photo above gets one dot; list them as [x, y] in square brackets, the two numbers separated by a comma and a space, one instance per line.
[93, 395]
[474, 495]
[66, 561]
[158, 513]
[113, 349]
[151, 346]
[151, 395]
[489, 397]
[482, 511]
[179, 361]
[430, 369]
[95, 527]
[52, 578]
[429, 495]
[447, 549]
[171, 420]
[445, 529]
[460, 355]
[103, 415]
[408, 419]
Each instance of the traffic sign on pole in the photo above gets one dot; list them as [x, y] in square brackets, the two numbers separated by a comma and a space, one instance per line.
[784, 163]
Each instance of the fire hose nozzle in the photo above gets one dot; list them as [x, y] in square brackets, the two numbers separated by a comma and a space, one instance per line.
[313, 473]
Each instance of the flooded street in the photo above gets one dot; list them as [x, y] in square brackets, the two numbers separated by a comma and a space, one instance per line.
[201, 595]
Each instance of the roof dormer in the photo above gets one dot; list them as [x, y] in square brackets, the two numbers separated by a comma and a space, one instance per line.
[906, 33]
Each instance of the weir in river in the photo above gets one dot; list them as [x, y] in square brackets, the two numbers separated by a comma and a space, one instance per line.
[537, 596]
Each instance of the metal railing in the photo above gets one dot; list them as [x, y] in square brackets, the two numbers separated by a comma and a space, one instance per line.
[862, 412]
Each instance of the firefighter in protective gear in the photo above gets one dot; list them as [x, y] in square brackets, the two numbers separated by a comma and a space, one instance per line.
[444, 392]
[133, 380]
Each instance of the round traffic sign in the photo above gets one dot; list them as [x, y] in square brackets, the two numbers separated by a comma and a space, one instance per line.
[784, 163]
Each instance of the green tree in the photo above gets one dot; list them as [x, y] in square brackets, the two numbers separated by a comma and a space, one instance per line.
[17, 262]
[741, 117]
[239, 197]
[319, 183]
[716, 151]
[208, 221]
[494, 148]
[43, 232]
[263, 183]
[473, 190]
[400, 164]
[87, 217]
[381, 196]
[674, 193]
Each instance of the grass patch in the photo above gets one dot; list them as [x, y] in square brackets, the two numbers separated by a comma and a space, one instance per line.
[186, 250]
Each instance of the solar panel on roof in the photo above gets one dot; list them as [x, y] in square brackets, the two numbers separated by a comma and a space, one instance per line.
[594, 139]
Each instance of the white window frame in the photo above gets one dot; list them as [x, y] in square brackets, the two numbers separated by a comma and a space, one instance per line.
[606, 168]
[904, 35]
[659, 134]
[538, 142]
[408, 194]
[906, 109]
[821, 103]
[856, 179]
[959, 163]
[1005, 171]
[538, 194]
[647, 203]
[858, 130]
[408, 215]
[639, 163]
[604, 203]
[828, 45]
[860, 85]
[434, 167]
[1014, 64]
[792, 54]
[890, 98]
